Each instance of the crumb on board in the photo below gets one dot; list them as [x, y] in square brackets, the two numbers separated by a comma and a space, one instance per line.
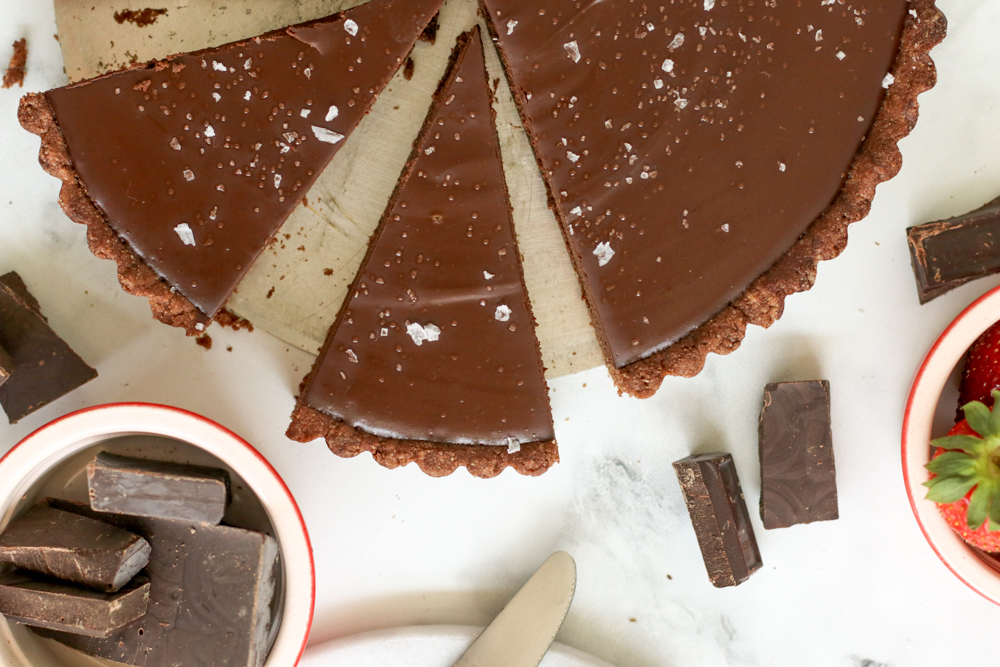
[205, 341]
[140, 17]
[18, 65]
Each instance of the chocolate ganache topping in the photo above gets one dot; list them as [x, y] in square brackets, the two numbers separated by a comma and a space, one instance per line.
[197, 159]
[686, 144]
[436, 341]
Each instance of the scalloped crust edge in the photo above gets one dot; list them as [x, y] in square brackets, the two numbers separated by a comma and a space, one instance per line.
[878, 161]
[134, 275]
[436, 459]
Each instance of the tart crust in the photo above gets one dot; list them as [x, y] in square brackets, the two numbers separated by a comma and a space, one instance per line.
[136, 277]
[763, 301]
[435, 459]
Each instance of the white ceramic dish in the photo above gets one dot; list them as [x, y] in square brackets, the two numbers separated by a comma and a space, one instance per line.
[51, 462]
[421, 646]
[925, 408]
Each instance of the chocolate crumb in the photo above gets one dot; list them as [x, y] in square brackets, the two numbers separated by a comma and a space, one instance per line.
[327, 272]
[205, 341]
[270, 293]
[408, 68]
[430, 32]
[226, 319]
[229, 348]
[18, 65]
[140, 17]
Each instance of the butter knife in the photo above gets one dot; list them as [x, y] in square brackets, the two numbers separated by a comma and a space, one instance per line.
[521, 634]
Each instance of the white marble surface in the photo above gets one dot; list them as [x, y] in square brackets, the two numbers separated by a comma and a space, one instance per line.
[397, 548]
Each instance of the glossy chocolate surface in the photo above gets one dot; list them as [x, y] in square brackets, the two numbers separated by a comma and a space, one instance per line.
[949, 253]
[720, 518]
[688, 144]
[798, 479]
[45, 367]
[196, 160]
[436, 341]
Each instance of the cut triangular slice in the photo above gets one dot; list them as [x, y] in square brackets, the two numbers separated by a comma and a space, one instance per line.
[195, 161]
[433, 357]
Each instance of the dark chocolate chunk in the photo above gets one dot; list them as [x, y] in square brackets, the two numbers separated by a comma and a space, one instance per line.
[74, 548]
[6, 366]
[949, 253]
[209, 602]
[719, 514]
[45, 367]
[33, 599]
[798, 480]
[125, 485]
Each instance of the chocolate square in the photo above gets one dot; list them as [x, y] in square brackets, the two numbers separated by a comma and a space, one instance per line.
[798, 480]
[719, 514]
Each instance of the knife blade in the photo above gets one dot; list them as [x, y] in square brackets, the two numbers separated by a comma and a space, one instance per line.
[521, 634]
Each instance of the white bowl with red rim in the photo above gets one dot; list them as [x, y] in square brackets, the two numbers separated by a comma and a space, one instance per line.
[51, 462]
[930, 409]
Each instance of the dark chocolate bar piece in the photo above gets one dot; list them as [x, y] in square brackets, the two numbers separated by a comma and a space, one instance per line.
[140, 487]
[798, 480]
[209, 602]
[719, 514]
[45, 367]
[6, 366]
[74, 548]
[949, 253]
[36, 600]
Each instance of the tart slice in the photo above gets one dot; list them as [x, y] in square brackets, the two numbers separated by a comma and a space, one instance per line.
[184, 168]
[433, 357]
[701, 156]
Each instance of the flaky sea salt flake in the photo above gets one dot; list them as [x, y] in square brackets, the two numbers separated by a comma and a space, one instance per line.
[247, 64]
[183, 230]
[188, 175]
[668, 65]
[305, 113]
[209, 131]
[888, 80]
[216, 97]
[841, 55]
[351, 357]
[218, 67]
[676, 42]
[487, 275]
[709, 4]
[351, 27]
[277, 180]
[176, 145]
[573, 50]
[325, 135]
[513, 446]
[657, 83]
[419, 334]
[246, 96]
[511, 24]
[332, 113]
[573, 157]
[502, 313]
[429, 150]
[603, 253]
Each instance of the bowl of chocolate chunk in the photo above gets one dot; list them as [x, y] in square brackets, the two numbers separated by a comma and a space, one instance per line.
[951, 446]
[147, 535]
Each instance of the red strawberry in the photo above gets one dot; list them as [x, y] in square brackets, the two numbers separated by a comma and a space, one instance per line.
[981, 374]
[965, 480]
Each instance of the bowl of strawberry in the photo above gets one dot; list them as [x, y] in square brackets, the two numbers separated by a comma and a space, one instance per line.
[951, 446]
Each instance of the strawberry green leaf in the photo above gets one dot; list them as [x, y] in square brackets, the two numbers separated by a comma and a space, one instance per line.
[952, 463]
[966, 443]
[979, 504]
[994, 510]
[979, 418]
[949, 489]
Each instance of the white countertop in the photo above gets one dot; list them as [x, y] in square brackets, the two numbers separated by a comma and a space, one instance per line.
[395, 547]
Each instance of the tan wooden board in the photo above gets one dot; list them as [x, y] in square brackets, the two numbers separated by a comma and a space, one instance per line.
[296, 287]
